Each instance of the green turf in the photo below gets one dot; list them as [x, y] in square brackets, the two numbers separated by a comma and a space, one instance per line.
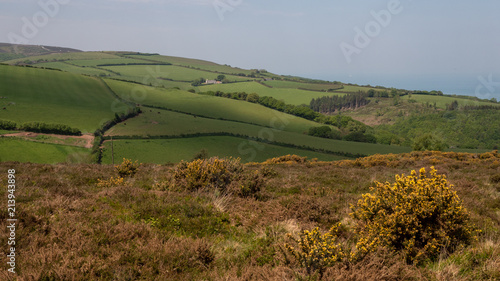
[201, 64]
[14, 149]
[174, 150]
[155, 122]
[55, 97]
[107, 61]
[290, 96]
[67, 56]
[75, 69]
[443, 101]
[173, 72]
[3, 132]
[296, 85]
[209, 106]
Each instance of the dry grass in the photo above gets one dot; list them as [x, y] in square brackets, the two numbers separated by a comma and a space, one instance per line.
[71, 229]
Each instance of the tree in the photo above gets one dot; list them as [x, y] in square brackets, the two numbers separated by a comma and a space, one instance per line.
[253, 97]
[221, 77]
[429, 142]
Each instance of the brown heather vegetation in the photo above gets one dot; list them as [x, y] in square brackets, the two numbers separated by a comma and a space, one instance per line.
[147, 228]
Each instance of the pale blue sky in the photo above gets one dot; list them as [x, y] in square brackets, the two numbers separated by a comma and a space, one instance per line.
[428, 45]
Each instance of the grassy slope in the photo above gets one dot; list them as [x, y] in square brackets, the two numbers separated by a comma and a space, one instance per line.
[443, 101]
[296, 85]
[169, 72]
[75, 69]
[152, 123]
[13, 149]
[201, 64]
[161, 151]
[67, 56]
[54, 97]
[214, 107]
[290, 96]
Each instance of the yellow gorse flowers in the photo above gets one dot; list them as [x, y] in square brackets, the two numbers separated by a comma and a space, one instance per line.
[418, 214]
[316, 251]
[213, 172]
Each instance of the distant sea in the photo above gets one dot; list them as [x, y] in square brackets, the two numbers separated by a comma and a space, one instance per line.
[448, 84]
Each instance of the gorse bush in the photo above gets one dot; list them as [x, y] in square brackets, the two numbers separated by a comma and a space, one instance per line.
[288, 159]
[418, 215]
[127, 168]
[315, 251]
[110, 183]
[213, 173]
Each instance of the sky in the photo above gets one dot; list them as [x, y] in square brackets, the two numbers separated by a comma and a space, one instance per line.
[448, 45]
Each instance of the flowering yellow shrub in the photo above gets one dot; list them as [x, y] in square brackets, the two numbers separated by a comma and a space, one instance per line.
[432, 157]
[288, 159]
[109, 183]
[127, 168]
[315, 251]
[418, 215]
[211, 173]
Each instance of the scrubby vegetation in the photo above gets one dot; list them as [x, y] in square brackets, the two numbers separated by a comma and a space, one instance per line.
[151, 227]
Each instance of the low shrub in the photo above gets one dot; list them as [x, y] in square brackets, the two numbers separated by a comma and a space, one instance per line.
[110, 183]
[315, 252]
[213, 173]
[288, 159]
[7, 125]
[127, 168]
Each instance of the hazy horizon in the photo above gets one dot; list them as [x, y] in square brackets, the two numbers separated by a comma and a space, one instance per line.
[407, 44]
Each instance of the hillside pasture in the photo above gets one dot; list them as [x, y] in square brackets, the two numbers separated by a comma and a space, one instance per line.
[156, 122]
[195, 63]
[300, 85]
[55, 97]
[75, 69]
[67, 56]
[161, 151]
[209, 106]
[172, 72]
[288, 95]
[443, 101]
[108, 61]
[14, 149]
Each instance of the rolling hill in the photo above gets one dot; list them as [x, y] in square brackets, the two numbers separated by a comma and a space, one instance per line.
[95, 91]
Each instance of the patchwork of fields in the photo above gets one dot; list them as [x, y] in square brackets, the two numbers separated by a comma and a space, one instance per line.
[176, 122]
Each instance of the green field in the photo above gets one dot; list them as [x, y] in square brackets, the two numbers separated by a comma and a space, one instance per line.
[201, 64]
[174, 150]
[55, 97]
[155, 122]
[443, 101]
[290, 96]
[297, 85]
[75, 69]
[107, 61]
[67, 56]
[173, 72]
[14, 149]
[209, 106]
